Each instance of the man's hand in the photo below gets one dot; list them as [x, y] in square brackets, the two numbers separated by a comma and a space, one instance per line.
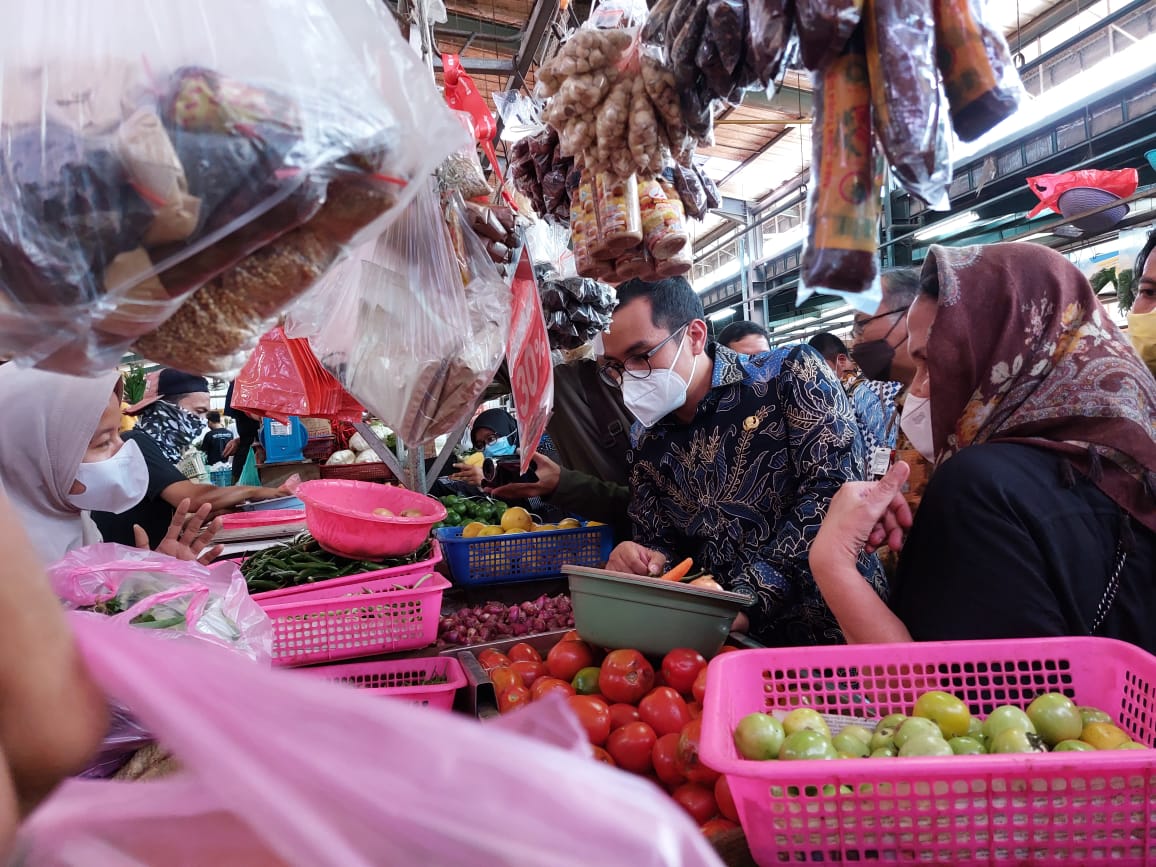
[230, 448]
[864, 516]
[548, 473]
[188, 535]
[634, 559]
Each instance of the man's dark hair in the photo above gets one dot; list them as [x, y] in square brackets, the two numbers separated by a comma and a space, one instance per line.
[828, 345]
[739, 330]
[1145, 252]
[213, 416]
[900, 286]
[673, 302]
[174, 399]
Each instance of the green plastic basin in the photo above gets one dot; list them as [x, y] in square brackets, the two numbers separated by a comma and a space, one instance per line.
[615, 610]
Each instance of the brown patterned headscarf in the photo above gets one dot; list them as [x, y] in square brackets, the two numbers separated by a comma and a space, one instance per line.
[1022, 351]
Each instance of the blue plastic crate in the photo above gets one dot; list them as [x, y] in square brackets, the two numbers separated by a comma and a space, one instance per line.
[523, 556]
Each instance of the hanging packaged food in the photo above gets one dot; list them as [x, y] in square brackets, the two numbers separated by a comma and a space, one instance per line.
[843, 207]
[619, 218]
[633, 263]
[663, 219]
[824, 27]
[580, 233]
[982, 84]
[677, 265]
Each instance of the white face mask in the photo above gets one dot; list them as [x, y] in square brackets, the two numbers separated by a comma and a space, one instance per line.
[652, 399]
[916, 424]
[114, 485]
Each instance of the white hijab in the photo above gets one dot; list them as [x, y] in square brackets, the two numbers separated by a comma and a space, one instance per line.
[48, 422]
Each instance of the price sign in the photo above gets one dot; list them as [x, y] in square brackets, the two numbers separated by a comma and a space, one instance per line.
[528, 357]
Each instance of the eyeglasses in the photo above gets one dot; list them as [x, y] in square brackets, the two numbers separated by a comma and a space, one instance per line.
[859, 325]
[637, 366]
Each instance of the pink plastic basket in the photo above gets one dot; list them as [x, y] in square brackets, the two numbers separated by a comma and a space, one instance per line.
[381, 579]
[340, 516]
[402, 679]
[324, 629]
[1053, 808]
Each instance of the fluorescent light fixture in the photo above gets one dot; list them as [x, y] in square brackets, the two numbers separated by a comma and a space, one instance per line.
[1035, 236]
[946, 227]
[720, 315]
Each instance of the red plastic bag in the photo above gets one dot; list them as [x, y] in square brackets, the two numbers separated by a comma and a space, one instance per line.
[528, 357]
[1049, 188]
[283, 768]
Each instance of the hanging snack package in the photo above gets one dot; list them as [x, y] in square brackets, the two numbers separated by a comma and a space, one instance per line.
[843, 205]
[414, 324]
[208, 156]
[663, 220]
[461, 172]
[982, 84]
[908, 105]
[618, 216]
[767, 34]
[824, 27]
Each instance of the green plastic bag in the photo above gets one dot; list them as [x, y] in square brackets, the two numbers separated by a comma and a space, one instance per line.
[249, 474]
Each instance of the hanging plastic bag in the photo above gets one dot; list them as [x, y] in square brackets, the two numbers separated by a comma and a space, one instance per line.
[284, 768]
[824, 27]
[158, 592]
[207, 159]
[415, 324]
[982, 84]
[908, 105]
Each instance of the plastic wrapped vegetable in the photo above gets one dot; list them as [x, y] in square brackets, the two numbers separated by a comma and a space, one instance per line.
[145, 154]
[824, 27]
[982, 84]
[843, 208]
[908, 106]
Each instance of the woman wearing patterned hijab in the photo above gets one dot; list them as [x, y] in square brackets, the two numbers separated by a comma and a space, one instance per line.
[1040, 518]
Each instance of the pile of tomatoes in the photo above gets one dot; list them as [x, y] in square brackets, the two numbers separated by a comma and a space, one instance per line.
[638, 718]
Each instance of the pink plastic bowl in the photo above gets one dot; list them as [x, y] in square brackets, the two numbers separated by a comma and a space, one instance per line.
[339, 514]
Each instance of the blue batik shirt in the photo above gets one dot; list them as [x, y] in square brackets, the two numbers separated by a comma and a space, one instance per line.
[875, 410]
[744, 487]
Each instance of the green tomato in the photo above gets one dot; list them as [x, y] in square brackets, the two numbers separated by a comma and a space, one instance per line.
[888, 752]
[975, 728]
[1056, 718]
[1015, 740]
[807, 744]
[885, 729]
[925, 745]
[966, 746]
[1093, 715]
[850, 746]
[946, 711]
[1006, 717]
[1073, 746]
[805, 719]
[1130, 745]
[759, 736]
[914, 727]
[857, 731]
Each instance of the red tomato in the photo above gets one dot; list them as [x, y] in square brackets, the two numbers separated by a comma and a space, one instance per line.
[490, 659]
[602, 756]
[728, 648]
[664, 758]
[504, 678]
[724, 799]
[695, 709]
[524, 651]
[681, 666]
[717, 826]
[698, 688]
[529, 671]
[594, 716]
[664, 710]
[625, 676]
[567, 658]
[514, 697]
[631, 746]
[546, 685]
[688, 759]
[572, 635]
[621, 714]
[697, 800]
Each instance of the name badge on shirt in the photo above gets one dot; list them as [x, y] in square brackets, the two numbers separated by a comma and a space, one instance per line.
[879, 463]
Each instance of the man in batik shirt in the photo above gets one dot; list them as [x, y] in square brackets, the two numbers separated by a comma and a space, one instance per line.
[735, 458]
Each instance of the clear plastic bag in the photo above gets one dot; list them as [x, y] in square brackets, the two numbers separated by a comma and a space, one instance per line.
[824, 27]
[908, 104]
[414, 324]
[204, 158]
[165, 595]
[285, 768]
